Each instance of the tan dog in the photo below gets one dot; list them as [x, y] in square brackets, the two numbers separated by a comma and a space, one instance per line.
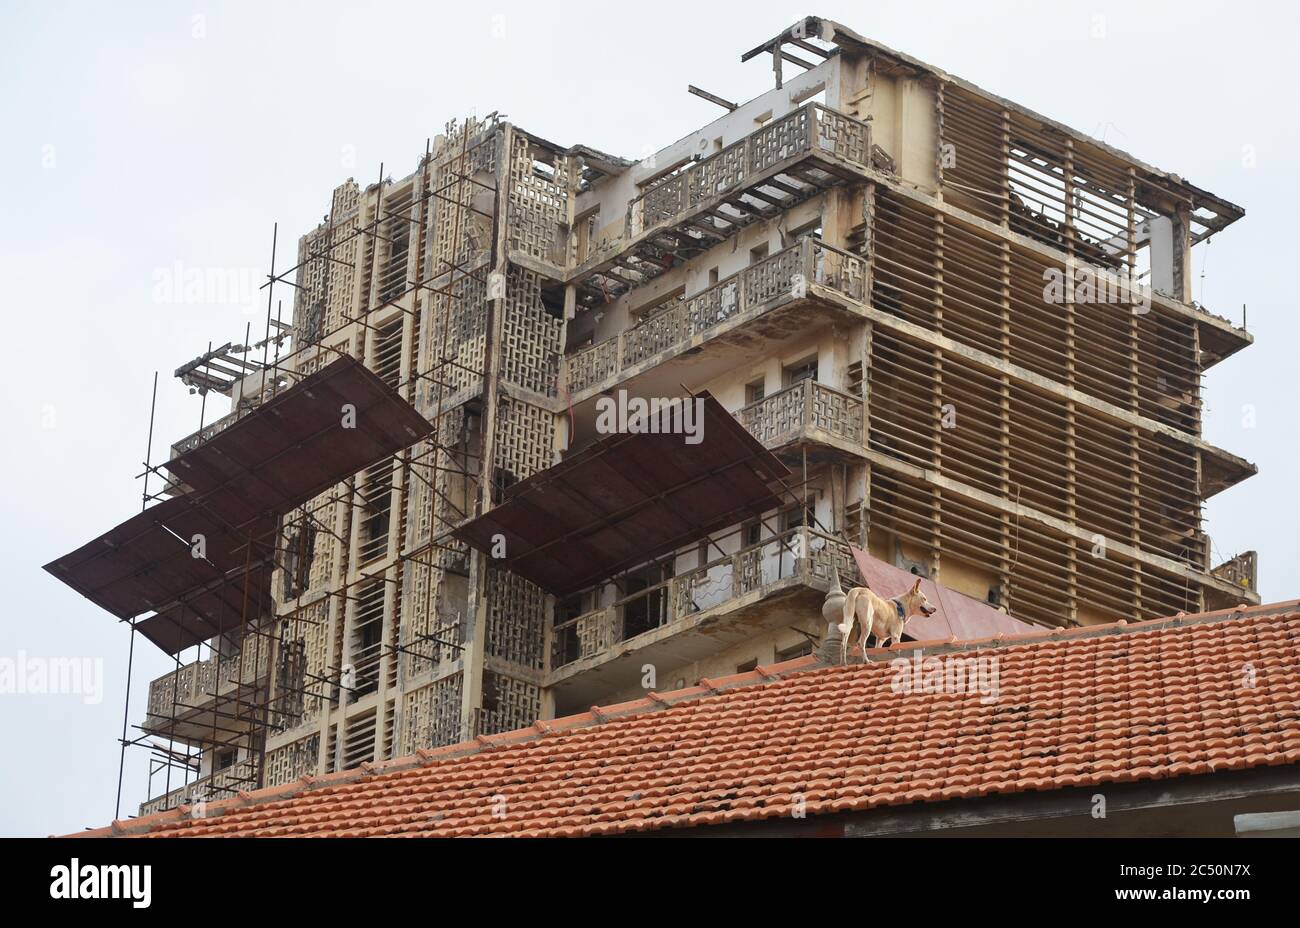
[882, 617]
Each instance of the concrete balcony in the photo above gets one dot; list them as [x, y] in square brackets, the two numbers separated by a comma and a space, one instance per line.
[209, 700]
[221, 785]
[770, 170]
[808, 416]
[699, 613]
[1242, 573]
[242, 408]
[216, 427]
[728, 178]
[798, 288]
[194, 439]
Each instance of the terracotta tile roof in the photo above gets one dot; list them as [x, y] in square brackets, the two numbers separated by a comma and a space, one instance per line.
[1160, 699]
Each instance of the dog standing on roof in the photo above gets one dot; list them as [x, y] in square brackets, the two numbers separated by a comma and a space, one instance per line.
[882, 617]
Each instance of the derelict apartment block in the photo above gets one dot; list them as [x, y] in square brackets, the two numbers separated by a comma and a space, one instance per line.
[854, 271]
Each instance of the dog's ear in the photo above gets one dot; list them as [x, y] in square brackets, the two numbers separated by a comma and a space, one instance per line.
[916, 587]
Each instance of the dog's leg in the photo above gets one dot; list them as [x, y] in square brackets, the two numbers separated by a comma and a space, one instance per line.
[868, 622]
[846, 627]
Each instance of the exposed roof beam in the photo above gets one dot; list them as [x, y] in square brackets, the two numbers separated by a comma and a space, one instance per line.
[712, 98]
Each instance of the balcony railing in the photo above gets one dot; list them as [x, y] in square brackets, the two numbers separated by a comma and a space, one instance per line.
[216, 427]
[220, 785]
[810, 128]
[799, 552]
[1241, 571]
[786, 274]
[194, 685]
[787, 415]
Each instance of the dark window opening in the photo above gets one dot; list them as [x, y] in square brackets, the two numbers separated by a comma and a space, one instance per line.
[377, 500]
[802, 649]
[651, 609]
[803, 370]
[570, 607]
[801, 515]
[553, 301]
[367, 639]
[300, 546]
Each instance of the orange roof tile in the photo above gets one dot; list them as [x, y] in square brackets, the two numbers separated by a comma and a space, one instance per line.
[1116, 703]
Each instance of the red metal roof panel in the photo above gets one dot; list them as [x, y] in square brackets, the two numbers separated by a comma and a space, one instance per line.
[628, 498]
[323, 429]
[148, 561]
[957, 615]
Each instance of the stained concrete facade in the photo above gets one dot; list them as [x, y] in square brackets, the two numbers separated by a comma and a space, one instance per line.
[859, 264]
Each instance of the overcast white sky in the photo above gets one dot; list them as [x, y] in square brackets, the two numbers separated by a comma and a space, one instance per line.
[136, 136]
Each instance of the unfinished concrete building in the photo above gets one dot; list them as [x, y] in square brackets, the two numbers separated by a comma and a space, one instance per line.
[934, 329]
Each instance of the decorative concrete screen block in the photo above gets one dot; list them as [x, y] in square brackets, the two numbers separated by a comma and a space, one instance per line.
[432, 631]
[749, 571]
[713, 306]
[459, 234]
[777, 416]
[836, 412]
[786, 137]
[221, 785]
[507, 704]
[326, 549]
[327, 257]
[437, 491]
[661, 331]
[289, 680]
[524, 440]
[539, 206]
[532, 347]
[596, 632]
[302, 666]
[190, 442]
[431, 715]
[843, 137]
[718, 174]
[454, 333]
[516, 619]
[320, 659]
[585, 636]
[599, 361]
[162, 695]
[424, 463]
[775, 277]
[292, 761]
[664, 200]
[829, 557]
[839, 270]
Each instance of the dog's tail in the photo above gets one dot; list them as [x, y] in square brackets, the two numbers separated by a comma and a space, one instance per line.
[850, 603]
